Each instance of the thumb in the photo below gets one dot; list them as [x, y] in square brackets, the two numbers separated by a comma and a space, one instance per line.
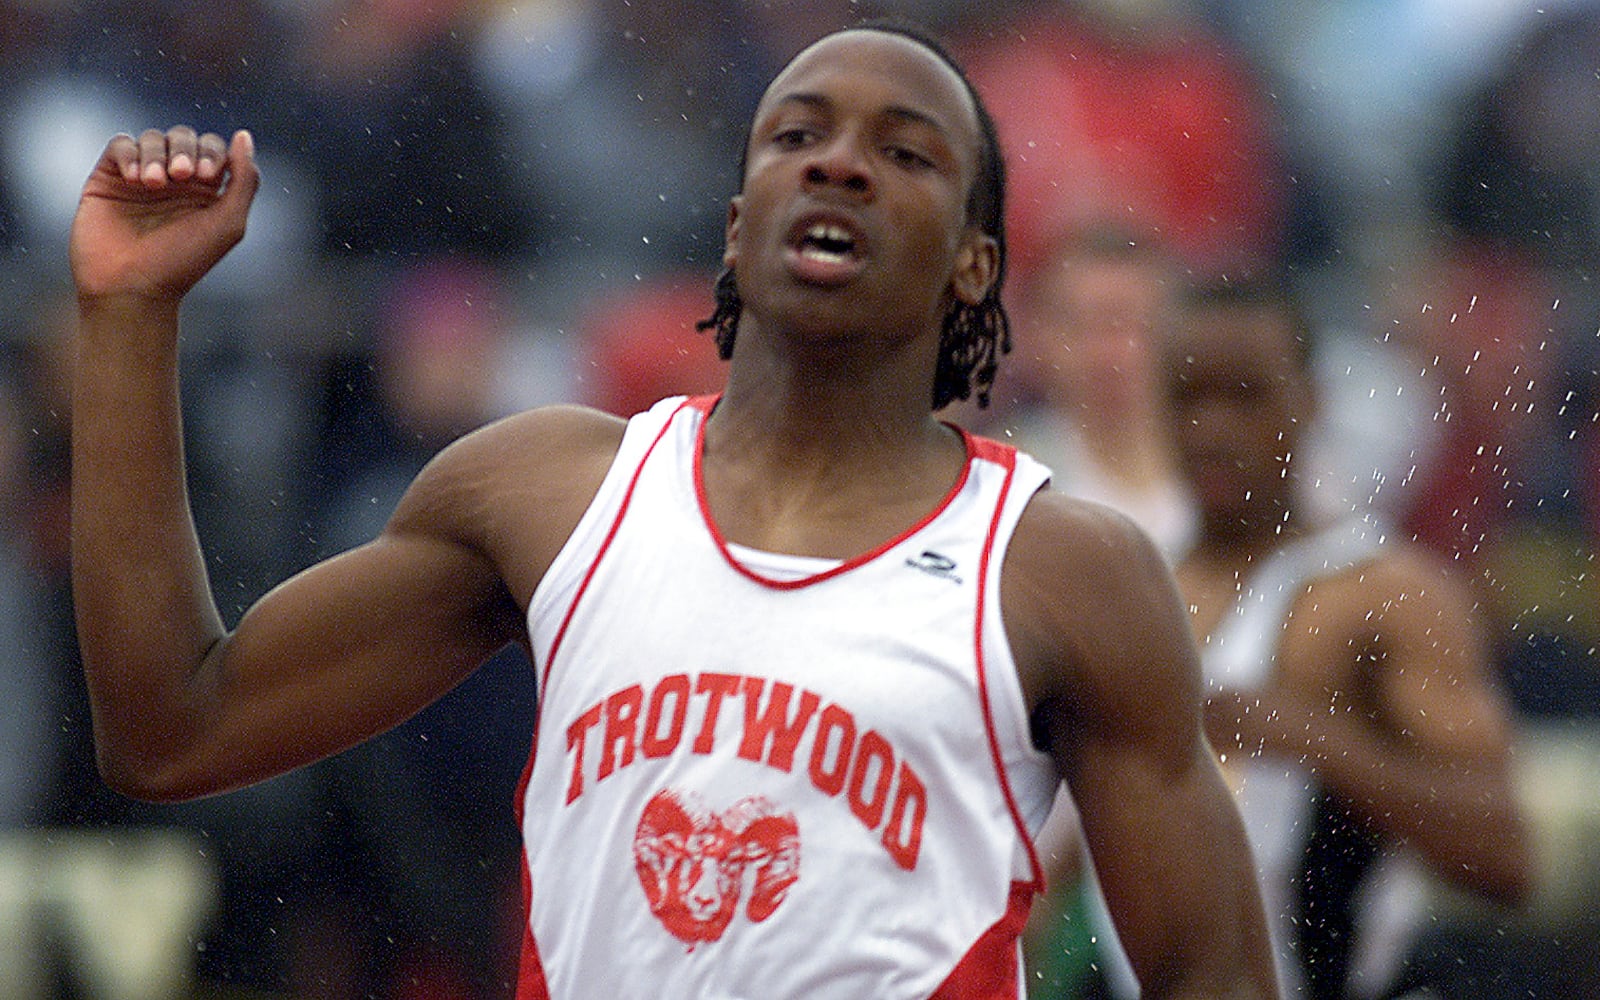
[243, 176]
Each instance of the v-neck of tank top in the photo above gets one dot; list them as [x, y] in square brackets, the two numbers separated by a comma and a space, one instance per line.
[788, 570]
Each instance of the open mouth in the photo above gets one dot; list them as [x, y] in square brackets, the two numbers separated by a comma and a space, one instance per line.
[827, 243]
[826, 251]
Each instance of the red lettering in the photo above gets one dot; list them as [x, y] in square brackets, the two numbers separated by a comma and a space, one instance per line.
[651, 741]
[717, 686]
[902, 835]
[874, 749]
[577, 733]
[774, 722]
[829, 778]
[864, 766]
[622, 716]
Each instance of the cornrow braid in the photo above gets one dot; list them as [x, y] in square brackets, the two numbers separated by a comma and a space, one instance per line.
[973, 337]
[724, 319]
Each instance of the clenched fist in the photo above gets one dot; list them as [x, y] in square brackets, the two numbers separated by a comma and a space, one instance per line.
[159, 211]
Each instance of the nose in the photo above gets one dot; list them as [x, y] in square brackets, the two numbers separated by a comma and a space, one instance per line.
[840, 162]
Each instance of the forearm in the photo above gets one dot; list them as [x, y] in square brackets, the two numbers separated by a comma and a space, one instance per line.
[1461, 815]
[1183, 891]
[145, 614]
[1226, 951]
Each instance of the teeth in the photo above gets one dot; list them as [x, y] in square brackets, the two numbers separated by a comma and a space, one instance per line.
[817, 253]
[831, 233]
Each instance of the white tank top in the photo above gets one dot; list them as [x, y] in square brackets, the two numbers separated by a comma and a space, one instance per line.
[764, 776]
[1275, 796]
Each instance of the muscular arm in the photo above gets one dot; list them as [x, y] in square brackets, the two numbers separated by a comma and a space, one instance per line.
[1106, 655]
[183, 707]
[1385, 693]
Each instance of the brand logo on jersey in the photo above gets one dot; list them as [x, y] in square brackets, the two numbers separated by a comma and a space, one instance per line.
[694, 863]
[934, 564]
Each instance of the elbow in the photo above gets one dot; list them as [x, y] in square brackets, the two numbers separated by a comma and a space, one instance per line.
[1518, 882]
[1506, 874]
[142, 778]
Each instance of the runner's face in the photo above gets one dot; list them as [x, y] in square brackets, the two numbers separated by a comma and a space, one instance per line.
[1239, 396]
[852, 216]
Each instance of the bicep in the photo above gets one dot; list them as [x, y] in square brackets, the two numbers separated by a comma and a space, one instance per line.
[1159, 823]
[363, 641]
[1166, 840]
[1434, 679]
[342, 651]
[1169, 852]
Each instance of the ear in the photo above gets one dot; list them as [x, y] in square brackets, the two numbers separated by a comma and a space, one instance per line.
[730, 236]
[977, 266]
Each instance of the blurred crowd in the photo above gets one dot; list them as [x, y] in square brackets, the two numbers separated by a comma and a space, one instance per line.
[474, 206]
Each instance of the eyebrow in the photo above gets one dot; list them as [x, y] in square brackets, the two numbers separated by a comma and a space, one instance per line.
[900, 112]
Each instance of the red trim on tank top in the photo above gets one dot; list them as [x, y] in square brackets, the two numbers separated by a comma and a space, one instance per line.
[991, 968]
[705, 404]
[531, 984]
[1005, 456]
[605, 546]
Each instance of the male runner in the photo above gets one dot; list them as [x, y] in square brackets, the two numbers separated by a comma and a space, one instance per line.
[810, 662]
[1349, 689]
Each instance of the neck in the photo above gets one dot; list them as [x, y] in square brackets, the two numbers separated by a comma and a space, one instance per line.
[837, 432]
[823, 474]
[829, 396]
[1233, 537]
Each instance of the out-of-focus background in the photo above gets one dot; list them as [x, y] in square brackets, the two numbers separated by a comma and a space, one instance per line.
[471, 206]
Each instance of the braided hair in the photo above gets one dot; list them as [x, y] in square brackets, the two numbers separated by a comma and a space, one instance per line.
[972, 337]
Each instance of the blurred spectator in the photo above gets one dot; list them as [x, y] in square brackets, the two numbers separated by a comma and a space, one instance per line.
[29, 691]
[1475, 320]
[1503, 496]
[640, 344]
[44, 344]
[1355, 712]
[217, 71]
[1365, 93]
[623, 120]
[1135, 108]
[1520, 166]
[1088, 322]
[1518, 186]
[115, 65]
[426, 859]
[27, 41]
[409, 156]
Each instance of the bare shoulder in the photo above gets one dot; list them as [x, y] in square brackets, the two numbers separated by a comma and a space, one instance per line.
[1069, 556]
[1401, 584]
[543, 437]
[1092, 612]
[514, 489]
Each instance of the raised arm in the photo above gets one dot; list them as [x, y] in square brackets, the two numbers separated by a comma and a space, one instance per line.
[1389, 700]
[1106, 654]
[182, 707]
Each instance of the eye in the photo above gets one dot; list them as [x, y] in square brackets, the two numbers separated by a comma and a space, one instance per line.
[908, 157]
[793, 136]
